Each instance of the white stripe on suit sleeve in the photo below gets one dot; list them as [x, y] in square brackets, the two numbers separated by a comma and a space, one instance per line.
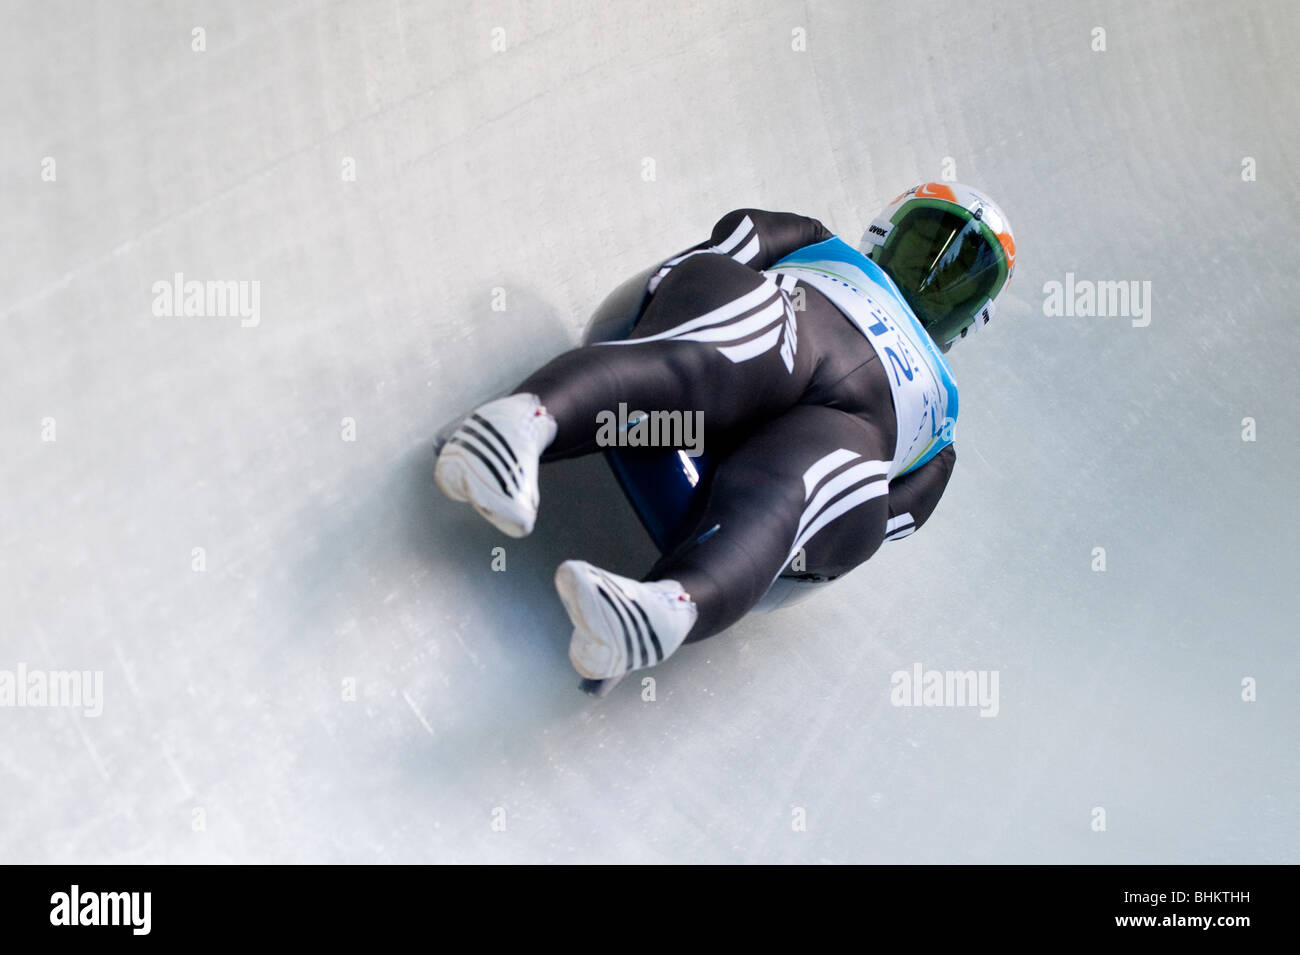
[896, 528]
[748, 252]
[725, 247]
[894, 523]
[730, 242]
[720, 314]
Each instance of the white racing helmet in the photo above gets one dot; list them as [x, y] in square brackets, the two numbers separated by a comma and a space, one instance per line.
[949, 250]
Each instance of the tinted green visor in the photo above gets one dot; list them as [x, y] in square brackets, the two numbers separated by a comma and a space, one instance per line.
[946, 263]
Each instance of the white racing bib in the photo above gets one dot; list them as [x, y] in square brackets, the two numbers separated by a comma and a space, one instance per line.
[924, 391]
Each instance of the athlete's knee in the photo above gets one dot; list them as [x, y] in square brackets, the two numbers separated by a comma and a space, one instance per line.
[848, 541]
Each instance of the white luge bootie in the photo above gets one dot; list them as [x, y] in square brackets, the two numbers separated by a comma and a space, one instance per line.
[621, 624]
[492, 458]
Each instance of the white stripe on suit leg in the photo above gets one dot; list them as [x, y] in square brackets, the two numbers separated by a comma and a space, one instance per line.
[736, 330]
[812, 477]
[863, 471]
[745, 352]
[790, 343]
[866, 493]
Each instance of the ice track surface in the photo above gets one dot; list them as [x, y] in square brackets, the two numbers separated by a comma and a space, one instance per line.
[521, 177]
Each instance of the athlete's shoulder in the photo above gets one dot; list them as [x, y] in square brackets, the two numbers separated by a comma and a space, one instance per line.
[770, 221]
[759, 238]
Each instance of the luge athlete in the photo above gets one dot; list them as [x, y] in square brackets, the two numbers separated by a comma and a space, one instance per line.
[846, 407]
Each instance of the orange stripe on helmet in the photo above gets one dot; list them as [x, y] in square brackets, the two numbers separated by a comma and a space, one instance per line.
[1009, 247]
[936, 190]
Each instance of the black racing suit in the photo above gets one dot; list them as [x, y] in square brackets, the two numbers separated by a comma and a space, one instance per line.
[797, 397]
